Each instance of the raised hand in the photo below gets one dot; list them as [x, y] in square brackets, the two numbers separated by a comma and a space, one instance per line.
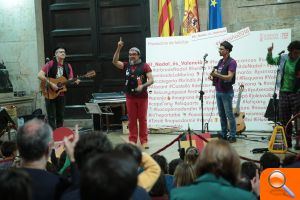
[120, 43]
[270, 49]
[70, 144]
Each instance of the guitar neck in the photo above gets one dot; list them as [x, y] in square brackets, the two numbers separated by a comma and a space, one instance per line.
[238, 102]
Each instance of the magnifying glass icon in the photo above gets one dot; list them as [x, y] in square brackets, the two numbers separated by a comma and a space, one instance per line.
[277, 180]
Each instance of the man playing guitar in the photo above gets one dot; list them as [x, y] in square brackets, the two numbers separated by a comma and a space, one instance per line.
[54, 69]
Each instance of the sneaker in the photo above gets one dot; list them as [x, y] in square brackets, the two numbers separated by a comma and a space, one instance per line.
[231, 139]
[145, 146]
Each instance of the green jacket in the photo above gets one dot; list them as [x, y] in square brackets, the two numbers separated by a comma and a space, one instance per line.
[209, 187]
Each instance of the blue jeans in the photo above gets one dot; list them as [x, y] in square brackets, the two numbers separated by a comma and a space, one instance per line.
[224, 102]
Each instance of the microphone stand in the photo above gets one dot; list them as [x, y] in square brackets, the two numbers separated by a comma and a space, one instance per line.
[202, 94]
[48, 80]
[275, 105]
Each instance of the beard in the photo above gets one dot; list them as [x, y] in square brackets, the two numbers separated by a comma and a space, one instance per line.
[134, 62]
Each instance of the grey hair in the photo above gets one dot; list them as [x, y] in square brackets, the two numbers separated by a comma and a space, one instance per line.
[136, 50]
[33, 139]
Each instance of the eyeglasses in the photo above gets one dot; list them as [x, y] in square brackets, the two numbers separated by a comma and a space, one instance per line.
[221, 49]
[61, 51]
[133, 54]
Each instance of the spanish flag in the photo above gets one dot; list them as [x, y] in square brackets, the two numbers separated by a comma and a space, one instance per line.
[165, 18]
[190, 23]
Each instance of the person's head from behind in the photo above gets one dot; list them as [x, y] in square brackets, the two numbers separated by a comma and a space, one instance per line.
[109, 176]
[184, 174]
[269, 160]
[248, 170]
[15, 184]
[219, 158]
[289, 159]
[159, 188]
[294, 49]
[173, 164]
[34, 140]
[90, 144]
[130, 149]
[9, 149]
[162, 162]
[191, 155]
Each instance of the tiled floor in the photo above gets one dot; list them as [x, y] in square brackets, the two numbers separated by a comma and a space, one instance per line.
[243, 146]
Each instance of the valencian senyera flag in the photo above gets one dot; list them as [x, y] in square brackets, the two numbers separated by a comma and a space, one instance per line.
[191, 22]
[165, 18]
[215, 14]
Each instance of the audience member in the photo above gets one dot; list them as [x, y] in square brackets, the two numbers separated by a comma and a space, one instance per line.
[110, 176]
[150, 169]
[191, 155]
[162, 162]
[89, 145]
[34, 141]
[9, 152]
[173, 164]
[269, 160]
[248, 170]
[159, 190]
[250, 177]
[184, 174]
[15, 185]
[289, 159]
[218, 169]
[296, 163]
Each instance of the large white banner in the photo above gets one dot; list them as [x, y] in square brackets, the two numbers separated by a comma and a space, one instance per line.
[177, 64]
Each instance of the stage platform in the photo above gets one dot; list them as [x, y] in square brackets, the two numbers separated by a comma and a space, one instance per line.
[243, 146]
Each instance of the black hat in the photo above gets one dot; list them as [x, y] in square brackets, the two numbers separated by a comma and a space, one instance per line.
[294, 45]
[58, 47]
[227, 45]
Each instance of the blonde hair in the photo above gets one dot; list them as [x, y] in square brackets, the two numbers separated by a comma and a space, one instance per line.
[219, 158]
[184, 174]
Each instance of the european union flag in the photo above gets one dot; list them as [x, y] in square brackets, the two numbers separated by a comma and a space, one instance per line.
[215, 14]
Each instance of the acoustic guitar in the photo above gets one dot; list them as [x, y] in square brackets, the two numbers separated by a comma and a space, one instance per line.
[61, 83]
[239, 116]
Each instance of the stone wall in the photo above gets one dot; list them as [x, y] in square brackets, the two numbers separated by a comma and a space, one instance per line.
[238, 14]
[21, 42]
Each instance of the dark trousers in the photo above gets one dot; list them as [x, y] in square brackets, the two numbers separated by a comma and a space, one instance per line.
[289, 105]
[55, 111]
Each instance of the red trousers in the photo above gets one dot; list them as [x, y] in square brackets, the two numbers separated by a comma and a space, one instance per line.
[137, 110]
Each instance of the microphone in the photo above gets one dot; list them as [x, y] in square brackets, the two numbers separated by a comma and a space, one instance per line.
[281, 52]
[205, 55]
[47, 59]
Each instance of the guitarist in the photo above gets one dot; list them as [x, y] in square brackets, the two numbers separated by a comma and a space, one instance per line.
[54, 69]
[224, 78]
[288, 82]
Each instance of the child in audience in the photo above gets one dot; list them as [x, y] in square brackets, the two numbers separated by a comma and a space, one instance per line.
[15, 185]
[269, 160]
[9, 153]
[218, 170]
[184, 174]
